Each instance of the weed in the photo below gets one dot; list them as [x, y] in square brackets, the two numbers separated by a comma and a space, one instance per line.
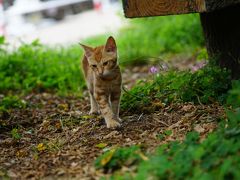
[115, 158]
[234, 101]
[206, 85]
[15, 134]
[10, 102]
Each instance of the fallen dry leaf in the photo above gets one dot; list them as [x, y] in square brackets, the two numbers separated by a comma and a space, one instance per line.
[101, 145]
[41, 147]
[72, 151]
[107, 158]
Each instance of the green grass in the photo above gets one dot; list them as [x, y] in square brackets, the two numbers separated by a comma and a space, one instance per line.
[206, 85]
[35, 67]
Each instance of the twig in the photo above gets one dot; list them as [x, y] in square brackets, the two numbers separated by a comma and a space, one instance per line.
[61, 123]
[140, 117]
[199, 100]
[162, 123]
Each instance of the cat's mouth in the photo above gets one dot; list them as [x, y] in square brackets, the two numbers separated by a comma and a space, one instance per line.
[107, 75]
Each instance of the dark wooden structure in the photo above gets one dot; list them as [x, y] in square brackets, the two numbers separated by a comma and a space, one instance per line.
[219, 18]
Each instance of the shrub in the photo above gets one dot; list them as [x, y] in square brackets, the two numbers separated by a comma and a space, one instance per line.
[206, 85]
[37, 67]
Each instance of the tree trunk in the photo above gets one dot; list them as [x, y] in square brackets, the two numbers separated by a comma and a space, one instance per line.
[222, 35]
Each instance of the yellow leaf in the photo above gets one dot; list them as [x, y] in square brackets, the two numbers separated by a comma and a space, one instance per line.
[41, 147]
[87, 117]
[21, 153]
[158, 104]
[101, 145]
[58, 125]
[63, 107]
[108, 157]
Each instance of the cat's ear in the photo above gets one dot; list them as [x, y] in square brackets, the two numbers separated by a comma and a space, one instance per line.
[110, 45]
[88, 50]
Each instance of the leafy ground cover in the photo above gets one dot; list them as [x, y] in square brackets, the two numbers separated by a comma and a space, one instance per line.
[56, 138]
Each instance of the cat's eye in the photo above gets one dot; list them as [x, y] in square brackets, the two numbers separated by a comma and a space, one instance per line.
[105, 63]
[94, 66]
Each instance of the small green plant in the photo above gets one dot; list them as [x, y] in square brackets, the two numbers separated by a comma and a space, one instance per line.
[234, 95]
[202, 55]
[234, 101]
[116, 158]
[9, 102]
[2, 40]
[15, 134]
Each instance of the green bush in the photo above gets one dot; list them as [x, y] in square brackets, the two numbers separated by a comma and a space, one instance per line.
[234, 97]
[234, 101]
[37, 67]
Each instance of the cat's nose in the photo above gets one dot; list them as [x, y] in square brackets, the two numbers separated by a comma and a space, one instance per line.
[100, 71]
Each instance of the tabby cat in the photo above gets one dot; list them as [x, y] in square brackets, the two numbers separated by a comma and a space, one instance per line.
[103, 78]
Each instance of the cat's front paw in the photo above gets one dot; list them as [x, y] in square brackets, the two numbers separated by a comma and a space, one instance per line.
[119, 120]
[94, 112]
[113, 123]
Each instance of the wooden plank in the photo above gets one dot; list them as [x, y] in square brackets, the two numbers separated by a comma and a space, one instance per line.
[144, 8]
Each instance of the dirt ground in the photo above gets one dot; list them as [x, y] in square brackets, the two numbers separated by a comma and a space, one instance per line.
[60, 140]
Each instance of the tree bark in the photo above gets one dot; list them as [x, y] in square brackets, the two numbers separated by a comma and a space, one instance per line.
[222, 35]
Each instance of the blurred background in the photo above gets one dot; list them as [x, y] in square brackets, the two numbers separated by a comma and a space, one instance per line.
[58, 21]
[39, 48]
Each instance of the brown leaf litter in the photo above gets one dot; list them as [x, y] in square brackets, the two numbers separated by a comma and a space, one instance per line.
[60, 140]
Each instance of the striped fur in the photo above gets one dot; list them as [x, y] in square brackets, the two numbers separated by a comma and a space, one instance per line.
[103, 78]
